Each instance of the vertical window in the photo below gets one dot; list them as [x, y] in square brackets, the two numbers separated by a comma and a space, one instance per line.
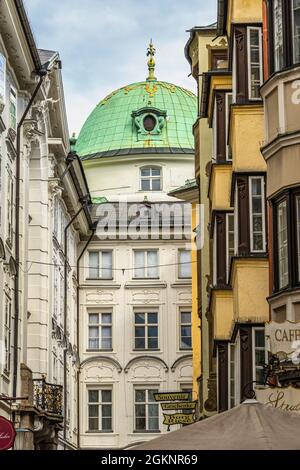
[10, 209]
[298, 232]
[100, 265]
[100, 410]
[151, 179]
[187, 389]
[146, 330]
[229, 242]
[2, 78]
[257, 215]
[13, 108]
[185, 329]
[146, 264]
[7, 334]
[55, 288]
[259, 355]
[296, 30]
[282, 247]
[232, 378]
[100, 331]
[185, 267]
[278, 34]
[254, 62]
[228, 146]
[146, 410]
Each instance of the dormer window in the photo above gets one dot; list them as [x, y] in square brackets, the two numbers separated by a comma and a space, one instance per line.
[149, 123]
[151, 179]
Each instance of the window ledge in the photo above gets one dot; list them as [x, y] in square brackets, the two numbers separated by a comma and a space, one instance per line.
[157, 431]
[101, 432]
[146, 350]
[99, 350]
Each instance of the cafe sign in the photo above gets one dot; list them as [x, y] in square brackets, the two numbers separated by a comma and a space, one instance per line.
[178, 418]
[7, 434]
[283, 337]
[287, 399]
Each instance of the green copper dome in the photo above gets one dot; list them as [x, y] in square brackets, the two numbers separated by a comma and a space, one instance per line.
[145, 117]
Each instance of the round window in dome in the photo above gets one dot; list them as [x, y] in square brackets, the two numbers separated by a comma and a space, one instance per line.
[149, 123]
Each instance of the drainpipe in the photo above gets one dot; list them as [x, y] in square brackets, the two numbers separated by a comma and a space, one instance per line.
[78, 336]
[83, 203]
[42, 73]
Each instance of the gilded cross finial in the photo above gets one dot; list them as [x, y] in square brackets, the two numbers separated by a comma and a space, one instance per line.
[151, 62]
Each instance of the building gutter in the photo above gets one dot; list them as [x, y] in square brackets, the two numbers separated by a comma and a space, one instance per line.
[42, 73]
[222, 17]
[78, 335]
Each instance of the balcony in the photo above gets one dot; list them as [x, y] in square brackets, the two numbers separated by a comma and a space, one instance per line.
[48, 398]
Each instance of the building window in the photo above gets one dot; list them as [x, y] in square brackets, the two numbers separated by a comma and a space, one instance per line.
[7, 334]
[230, 242]
[278, 34]
[146, 410]
[146, 264]
[10, 209]
[296, 30]
[2, 78]
[146, 330]
[185, 329]
[151, 179]
[219, 59]
[255, 73]
[298, 232]
[187, 389]
[228, 107]
[257, 215]
[100, 265]
[13, 108]
[232, 378]
[100, 410]
[282, 233]
[100, 331]
[185, 267]
[259, 355]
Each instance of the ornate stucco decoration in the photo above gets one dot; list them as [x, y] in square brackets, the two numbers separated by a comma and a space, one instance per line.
[149, 123]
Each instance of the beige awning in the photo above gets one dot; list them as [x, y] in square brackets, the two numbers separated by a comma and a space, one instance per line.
[249, 426]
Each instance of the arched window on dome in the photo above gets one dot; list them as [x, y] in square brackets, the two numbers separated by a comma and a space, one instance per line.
[150, 178]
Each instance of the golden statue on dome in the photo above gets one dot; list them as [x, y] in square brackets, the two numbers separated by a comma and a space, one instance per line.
[151, 62]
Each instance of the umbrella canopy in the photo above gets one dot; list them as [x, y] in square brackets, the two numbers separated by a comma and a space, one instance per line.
[249, 426]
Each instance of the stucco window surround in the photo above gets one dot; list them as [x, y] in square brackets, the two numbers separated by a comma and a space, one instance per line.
[151, 178]
[247, 63]
[105, 404]
[284, 34]
[286, 233]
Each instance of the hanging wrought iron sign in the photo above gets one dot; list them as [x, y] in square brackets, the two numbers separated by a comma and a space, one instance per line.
[7, 434]
[178, 418]
[172, 396]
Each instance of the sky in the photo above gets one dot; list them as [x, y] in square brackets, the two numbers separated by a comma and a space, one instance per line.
[102, 44]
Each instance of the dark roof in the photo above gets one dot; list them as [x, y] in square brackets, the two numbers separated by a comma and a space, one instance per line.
[46, 56]
[28, 33]
[210, 27]
[222, 17]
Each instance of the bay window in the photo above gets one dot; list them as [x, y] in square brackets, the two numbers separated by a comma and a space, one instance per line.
[146, 410]
[278, 34]
[100, 265]
[230, 242]
[257, 214]
[283, 269]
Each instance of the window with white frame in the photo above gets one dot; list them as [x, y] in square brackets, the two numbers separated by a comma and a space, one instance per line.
[100, 331]
[151, 179]
[278, 34]
[234, 373]
[257, 214]
[146, 330]
[259, 355]
[229, 99]
[184, 267]
[7, 334]
[10, 208]
[13, 108]
[255, 71]
[230, 242]
[100, 265]
[55, 288]
[146, 264]
[282, 234]
[2, 78]
[296, 29]
[146, 410]
[185, 329]
[100, 407]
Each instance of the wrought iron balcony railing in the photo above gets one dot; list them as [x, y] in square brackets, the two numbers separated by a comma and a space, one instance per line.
[48, 397]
